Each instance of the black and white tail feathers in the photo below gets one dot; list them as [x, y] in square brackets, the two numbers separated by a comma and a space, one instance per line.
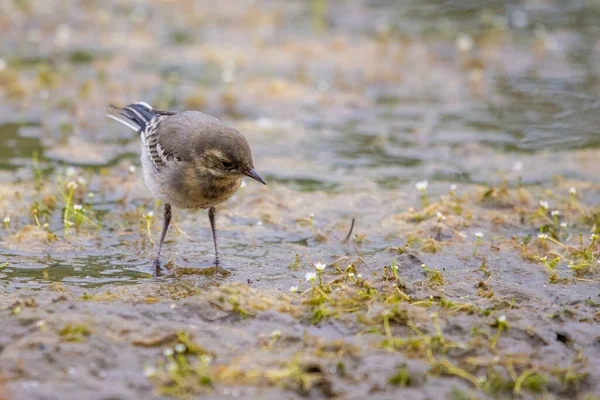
[136, 115]
[141, 117]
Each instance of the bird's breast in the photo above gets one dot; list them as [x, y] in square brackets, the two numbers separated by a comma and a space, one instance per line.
[221, 189]
[205, 190]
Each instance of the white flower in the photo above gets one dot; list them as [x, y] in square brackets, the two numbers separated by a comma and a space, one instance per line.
[395, 267]
[312, 216]
[265, 123]
[82, 181]
[275, 333]
[71, 171]
[310, 276]
[555, 213]
[40, 323]
[205, 359]
[440, 216]
[544, 204]
[320, 266]
[502, 318]
[542, 236]
[62, 35]
[168, 352]
[453, 188]
[90, 195]
[77, 207]
[72, 185]
[293, 289]
[7, 220]
[132, 169]
[350, 274]
[68, 223]
[563, 224]
[228, 74]
[594, 236]
[359, 276]
[180, 348]
[573, 190]
[478, 235]
[517, 166]
[423, 265]
[149, 371]
[150, 214]
[464, 42]
[422, 186]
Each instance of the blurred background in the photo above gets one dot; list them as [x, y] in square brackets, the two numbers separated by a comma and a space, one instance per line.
[353, 99]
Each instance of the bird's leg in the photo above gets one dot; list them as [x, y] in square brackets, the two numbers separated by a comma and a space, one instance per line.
[211, 216]
[165, 228]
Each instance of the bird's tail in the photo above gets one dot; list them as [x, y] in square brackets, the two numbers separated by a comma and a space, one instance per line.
[136, 115]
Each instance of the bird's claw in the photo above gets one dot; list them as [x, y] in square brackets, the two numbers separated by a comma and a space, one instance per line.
[156, 268]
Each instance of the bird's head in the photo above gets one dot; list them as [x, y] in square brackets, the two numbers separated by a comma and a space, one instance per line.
[224, 152]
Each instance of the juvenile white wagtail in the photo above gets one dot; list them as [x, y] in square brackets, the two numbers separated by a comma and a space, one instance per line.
[189, 159]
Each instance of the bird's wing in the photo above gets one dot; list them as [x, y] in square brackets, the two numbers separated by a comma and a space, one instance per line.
[157, 143]
[173, 137]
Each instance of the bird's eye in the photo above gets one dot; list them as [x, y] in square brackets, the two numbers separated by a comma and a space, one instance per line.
[226, 164]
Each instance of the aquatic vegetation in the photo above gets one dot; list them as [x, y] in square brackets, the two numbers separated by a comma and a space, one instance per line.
[149, 217]
[176, 376]
[478, 237]
[434, 276]
[74, 332]
[402, 377]
[422, 188]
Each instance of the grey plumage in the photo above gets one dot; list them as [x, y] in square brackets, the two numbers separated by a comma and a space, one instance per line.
[189, 159]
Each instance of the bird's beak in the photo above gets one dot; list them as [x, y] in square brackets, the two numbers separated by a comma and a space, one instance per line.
[254, 175]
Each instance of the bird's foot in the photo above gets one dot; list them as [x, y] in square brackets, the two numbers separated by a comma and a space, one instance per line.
[156, 269]
[220, 269]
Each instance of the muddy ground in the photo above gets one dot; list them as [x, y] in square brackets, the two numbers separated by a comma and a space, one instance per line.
[460, 139]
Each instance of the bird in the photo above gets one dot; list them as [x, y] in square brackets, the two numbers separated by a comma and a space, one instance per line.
[190, 160]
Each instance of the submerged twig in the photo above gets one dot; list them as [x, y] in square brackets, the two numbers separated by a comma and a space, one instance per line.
[351, 229]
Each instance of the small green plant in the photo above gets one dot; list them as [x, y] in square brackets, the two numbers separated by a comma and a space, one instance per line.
[402, 377]
[435, 276]
[71, 186]
[296, 264]
[502, 325]
[478, 237]
[176, 376]
[422, 188]
[149, 221]
[74, 333]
